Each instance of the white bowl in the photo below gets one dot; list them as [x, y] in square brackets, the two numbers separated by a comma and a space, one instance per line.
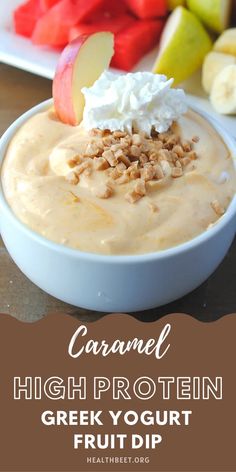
[114, 283]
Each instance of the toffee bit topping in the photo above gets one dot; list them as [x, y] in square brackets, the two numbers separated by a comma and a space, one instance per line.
[140, 187]
[218, 209]
[121, 167]
[135, 151]
[104, 191]
[136, 140]
[153, 207]
[123, 179]
[92, 150]
[187, 146]
[82, 167]
[96, 132]
[110, 157]
[100, 163]
[166, 168]
[192, 155]
[159, 174]
[138, 192]
[148, 173]
[73, 162]
[176, 172]
[185, 161]
[137, 157]
[72, 178]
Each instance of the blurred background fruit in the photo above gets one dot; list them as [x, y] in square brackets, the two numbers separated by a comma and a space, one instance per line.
[226, 42]
[184, 30]
[144, 9]
[26, 16]
[47, 4]
[133, 42]
[223, 93]
[53, 27]
[215, 14]
[183, 46]
[213, 64]
[175, 3]
[219, 73]
[136, 24]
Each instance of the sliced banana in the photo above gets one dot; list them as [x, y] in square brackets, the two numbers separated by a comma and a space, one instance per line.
[223, 94]
[213, 64]
[226, 42]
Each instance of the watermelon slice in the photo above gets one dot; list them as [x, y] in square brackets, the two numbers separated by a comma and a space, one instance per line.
[52, 29]
[47, 4]
[25, 17]
[114, 25]
[148, 8]
[109, 9]
[135, 41]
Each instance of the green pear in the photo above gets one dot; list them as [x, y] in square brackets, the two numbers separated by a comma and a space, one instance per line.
[215, 14]
[184, 44]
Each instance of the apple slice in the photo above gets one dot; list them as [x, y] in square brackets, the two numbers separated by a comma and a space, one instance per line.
[80, 65]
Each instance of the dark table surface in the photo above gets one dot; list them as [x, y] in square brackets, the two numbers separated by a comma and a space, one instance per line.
[19, 297]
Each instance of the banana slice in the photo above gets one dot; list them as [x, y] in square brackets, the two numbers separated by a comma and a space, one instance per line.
[214, 63]
[223, 94]
[226, 42]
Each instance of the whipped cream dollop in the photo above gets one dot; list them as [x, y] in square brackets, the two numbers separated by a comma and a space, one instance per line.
[140, 100]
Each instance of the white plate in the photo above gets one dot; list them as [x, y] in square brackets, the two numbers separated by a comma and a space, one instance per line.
[20, 52]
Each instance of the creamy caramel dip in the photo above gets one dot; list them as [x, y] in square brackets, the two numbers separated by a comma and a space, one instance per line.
[39, 185]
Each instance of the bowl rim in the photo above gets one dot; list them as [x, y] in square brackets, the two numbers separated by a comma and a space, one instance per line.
[119, 258]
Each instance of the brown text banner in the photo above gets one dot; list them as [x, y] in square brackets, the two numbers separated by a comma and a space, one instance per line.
[117, 394]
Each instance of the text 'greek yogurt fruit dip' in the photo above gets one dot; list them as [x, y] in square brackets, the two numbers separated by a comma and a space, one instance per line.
[139, 174]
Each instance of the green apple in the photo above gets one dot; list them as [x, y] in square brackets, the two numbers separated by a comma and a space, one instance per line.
[215, 14]
[172, 4]
[184, 44]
